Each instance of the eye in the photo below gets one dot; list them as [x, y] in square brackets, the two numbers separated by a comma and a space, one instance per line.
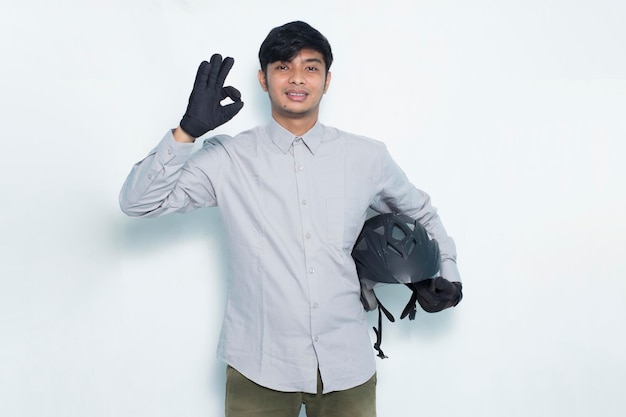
[312, 69]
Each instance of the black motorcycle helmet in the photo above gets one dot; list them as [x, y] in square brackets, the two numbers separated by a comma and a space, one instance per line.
[394, 249]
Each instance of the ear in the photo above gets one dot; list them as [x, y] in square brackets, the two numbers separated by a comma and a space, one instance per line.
[327, 82]
[262, 80]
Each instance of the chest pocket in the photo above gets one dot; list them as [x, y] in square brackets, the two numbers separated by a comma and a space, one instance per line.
[344, 218]
[346, 206]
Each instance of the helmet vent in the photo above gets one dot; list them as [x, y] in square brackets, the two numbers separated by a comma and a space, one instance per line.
[397, 233]
[394, 250]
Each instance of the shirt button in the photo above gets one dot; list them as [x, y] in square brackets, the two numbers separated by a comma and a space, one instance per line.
[311, 270]
[149, 176]
[304, 202]
[315, 305]
[300, 168]
[316, 338]
[308, 236]
[169, 151]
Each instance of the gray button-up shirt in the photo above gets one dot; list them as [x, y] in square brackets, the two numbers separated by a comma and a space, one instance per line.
[292, 209]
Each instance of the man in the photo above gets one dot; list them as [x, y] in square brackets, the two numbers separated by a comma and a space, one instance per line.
[294, 195]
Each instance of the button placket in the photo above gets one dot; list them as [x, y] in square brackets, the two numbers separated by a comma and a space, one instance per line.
[301, 159]
[299, 154]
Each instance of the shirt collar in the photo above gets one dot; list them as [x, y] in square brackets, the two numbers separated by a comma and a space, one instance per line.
[283, 138]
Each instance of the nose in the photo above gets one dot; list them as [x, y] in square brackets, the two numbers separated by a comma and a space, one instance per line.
[296, 77]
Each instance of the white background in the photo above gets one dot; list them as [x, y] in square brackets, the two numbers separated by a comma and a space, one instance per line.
[509, 113]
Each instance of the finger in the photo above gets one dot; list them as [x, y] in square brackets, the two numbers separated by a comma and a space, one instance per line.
[232, 93]
[230, 110]
[201, 75]
[224, 70]
[214, 70]
[427, 292]
[428, 300]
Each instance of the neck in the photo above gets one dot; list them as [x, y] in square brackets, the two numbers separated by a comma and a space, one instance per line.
[296, 126]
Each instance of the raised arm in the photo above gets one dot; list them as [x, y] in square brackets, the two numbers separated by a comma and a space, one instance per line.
[154, 185]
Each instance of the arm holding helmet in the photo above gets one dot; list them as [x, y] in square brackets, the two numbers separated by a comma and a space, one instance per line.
[398, 195]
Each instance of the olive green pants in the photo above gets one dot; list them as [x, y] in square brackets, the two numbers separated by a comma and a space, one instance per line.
[245, 398]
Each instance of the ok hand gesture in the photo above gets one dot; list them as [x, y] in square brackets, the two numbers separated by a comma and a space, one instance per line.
[205, 111]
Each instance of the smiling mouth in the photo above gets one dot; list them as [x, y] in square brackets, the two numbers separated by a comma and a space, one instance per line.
[297, 95]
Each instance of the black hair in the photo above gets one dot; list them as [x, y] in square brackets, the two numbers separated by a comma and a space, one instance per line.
[286, 41]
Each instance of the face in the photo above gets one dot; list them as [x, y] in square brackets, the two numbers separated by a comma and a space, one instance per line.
[296, 87]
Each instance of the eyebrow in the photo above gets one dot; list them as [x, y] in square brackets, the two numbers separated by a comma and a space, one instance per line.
[307, 61]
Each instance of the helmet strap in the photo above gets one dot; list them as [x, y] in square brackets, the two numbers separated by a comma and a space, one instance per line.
[411, 306]
[379, 331]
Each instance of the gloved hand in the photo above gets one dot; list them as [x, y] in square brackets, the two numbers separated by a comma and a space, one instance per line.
[204, 111]
[438, 294]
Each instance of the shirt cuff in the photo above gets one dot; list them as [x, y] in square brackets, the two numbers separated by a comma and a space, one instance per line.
[169, 151]
[449, 270]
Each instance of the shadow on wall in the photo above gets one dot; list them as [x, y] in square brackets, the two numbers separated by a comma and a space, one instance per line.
[145, 234]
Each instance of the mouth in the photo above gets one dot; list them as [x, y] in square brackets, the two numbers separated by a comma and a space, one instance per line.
[297, 95]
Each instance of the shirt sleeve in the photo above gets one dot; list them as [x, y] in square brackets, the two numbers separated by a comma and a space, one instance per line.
[166, 181]
[398, 195]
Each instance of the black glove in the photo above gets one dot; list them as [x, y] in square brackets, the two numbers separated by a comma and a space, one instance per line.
[437, 294]
[204, 111]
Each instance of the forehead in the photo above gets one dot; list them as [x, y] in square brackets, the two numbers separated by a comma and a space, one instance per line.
[307, 55]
